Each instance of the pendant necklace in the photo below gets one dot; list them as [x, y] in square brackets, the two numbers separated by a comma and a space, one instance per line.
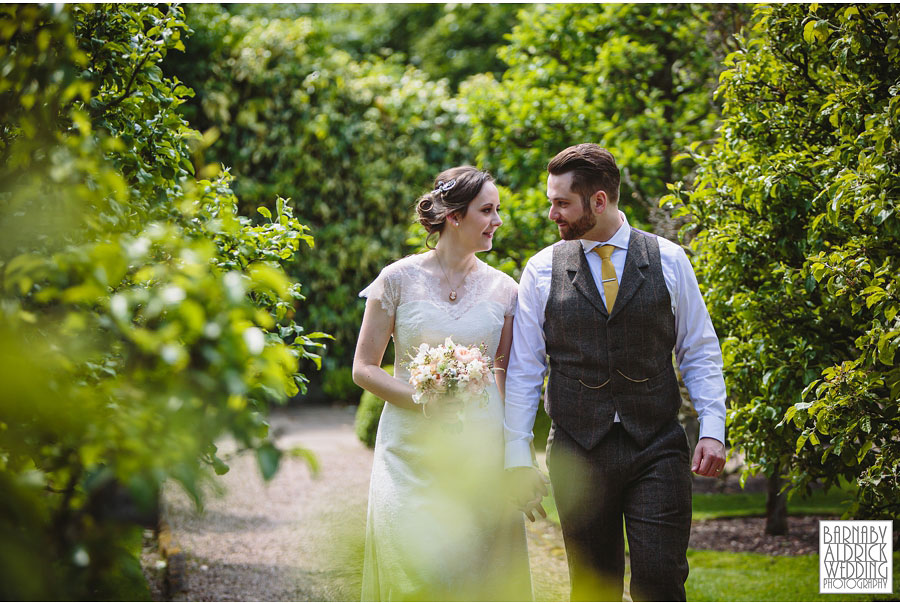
[452, 296]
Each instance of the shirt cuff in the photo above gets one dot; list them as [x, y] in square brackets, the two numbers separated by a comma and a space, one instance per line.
[518, 454]
[710, 427]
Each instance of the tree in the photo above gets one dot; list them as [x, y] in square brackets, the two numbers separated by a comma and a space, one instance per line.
[450, 41]
[353, 143]
[796, 211]
[464, 41]
[637, 79]
[141, 316]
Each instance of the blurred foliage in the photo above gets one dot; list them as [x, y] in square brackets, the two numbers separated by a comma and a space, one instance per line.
[634, 78]
[464, 40]
[450, 41]
[338, 384]
[141, 317]
[796, 207]
[353, 143]
[541, 430]
[368, 415]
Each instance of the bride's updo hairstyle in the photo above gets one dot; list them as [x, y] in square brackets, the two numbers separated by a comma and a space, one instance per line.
[453, 190]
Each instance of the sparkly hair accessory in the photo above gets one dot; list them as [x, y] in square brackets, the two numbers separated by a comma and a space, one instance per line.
[443, 187]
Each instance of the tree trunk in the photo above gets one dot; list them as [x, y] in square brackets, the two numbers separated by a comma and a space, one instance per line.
[776, 508]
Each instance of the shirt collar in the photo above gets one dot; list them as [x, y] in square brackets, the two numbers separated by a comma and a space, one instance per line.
[620, 239]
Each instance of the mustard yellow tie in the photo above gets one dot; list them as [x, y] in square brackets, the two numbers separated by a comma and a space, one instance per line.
[608, 275]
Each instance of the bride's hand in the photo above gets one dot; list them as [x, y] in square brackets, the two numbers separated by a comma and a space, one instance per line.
[534, 505]
[528, 486]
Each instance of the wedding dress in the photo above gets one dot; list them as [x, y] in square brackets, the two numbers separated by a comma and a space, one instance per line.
[439, 525]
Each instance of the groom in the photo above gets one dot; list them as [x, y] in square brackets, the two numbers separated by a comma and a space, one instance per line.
[605, 308]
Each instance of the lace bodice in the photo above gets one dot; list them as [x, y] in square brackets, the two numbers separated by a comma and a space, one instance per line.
[417, 298]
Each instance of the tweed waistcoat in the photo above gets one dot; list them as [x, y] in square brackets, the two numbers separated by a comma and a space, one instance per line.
[602, 363]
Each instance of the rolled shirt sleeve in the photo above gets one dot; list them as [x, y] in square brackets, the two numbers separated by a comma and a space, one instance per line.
[527, 365]
[697, 349]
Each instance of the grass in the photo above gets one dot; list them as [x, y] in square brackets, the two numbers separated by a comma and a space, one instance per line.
[749, 504]
[721, 576]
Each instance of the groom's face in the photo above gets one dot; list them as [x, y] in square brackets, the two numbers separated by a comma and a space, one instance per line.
[567, 208]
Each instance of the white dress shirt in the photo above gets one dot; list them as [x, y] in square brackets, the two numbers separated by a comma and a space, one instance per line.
[696, 344]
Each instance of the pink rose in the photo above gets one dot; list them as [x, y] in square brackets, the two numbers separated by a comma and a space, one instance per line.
[464, 355]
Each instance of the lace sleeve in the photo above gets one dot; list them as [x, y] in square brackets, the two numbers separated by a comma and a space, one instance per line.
[386, 289]
[512, 293]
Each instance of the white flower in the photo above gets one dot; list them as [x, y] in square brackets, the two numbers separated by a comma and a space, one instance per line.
[255, 340]
[118, 305]
[476, 369]
[139, 247]
[234, 286]
[173, 294]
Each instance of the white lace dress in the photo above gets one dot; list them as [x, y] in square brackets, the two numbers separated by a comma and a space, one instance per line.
[439, 525]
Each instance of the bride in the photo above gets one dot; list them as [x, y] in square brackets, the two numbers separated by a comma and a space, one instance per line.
[439, 524]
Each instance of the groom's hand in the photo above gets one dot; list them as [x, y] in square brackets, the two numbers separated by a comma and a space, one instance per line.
[709, 457]
[527, 487]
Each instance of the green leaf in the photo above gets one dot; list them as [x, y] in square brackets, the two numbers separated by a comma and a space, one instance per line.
[809, 32]
[219, 466]
[818, 271]
[307, 455]
[866, 447]
[268, 457]
[800, 442]
[790, 413]
[887, 347]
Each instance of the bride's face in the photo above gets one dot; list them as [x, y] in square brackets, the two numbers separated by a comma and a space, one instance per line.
[476, 230]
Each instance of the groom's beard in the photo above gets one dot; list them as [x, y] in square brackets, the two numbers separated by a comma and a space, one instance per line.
[575, 230]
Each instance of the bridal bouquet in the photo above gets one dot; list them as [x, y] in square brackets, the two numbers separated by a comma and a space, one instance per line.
[457, 371]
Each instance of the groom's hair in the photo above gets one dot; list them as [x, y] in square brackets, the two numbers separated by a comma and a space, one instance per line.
[594, 170]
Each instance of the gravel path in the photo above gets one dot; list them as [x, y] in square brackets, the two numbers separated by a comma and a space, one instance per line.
[300, 537]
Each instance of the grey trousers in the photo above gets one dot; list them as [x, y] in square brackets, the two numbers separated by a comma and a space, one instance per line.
[649, 488]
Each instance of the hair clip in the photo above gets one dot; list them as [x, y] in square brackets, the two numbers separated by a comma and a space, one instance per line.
[443, 187]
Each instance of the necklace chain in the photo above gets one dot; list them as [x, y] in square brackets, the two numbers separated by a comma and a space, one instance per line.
[452, 296]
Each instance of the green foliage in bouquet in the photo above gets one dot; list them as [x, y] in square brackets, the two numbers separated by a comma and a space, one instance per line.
[141, 316]
[368, 414]
[797, 211]
[353, 143]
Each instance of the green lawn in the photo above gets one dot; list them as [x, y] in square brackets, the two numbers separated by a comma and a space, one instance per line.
[719, 576]
[748, 504]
